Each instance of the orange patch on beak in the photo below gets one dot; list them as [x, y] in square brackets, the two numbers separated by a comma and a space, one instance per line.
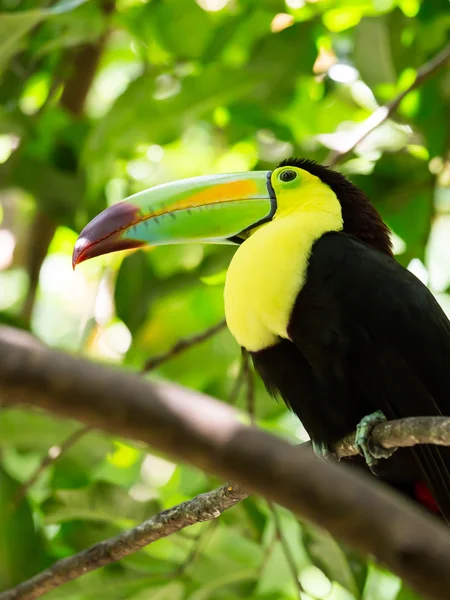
[223, 192]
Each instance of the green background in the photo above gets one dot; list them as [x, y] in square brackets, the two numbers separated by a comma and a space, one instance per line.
[99, 100]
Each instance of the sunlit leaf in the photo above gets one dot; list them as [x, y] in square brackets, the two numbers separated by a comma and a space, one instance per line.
[180, 88]
[380, 584]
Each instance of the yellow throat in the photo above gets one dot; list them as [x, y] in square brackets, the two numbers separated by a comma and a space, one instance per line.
[269, 268]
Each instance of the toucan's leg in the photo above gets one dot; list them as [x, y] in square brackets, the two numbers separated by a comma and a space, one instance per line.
[321, 449]
[366, 447]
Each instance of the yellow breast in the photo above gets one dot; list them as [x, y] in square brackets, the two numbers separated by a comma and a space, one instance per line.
[267, 273]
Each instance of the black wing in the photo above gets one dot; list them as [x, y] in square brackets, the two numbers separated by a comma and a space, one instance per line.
[374, 338]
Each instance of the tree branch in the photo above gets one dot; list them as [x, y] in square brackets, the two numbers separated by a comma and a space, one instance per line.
[401, 433]
[384, 112]
[55, 452]
[203, 507]
[206, 433]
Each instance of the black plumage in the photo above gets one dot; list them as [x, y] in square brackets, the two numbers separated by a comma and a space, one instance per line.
[366, 335]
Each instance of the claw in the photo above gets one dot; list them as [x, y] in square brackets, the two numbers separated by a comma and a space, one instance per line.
[321, 450]
[364, 444]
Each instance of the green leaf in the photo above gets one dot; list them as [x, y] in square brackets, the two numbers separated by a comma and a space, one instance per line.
[407, 594]
[182, 27]
[15, 25]
[82, 26]
[133, 285]
[277, 574]
[31, 431]
[207, 591]
[57, 191]
[401, 188]
[434, 101]
[375, 68]
[68, 474]
[380, 584]
[63, 6]
[13, 28]
[140, 116]
[110, 583]
[21, 547]
[330, 557]
[98, 502]
[172, 591]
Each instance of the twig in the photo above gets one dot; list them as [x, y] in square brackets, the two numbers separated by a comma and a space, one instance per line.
[203, 507]
[389, 434]
[384, 112]
[183, 345]
[238, 383]
[286, 550]
[197, 429]
[52, 455]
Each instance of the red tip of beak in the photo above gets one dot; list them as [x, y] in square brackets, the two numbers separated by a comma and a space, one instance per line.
[77, 253]
[103, 234]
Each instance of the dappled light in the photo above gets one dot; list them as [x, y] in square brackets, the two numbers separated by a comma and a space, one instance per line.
[100, 100]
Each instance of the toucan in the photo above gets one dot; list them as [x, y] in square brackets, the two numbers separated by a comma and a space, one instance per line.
[335, 326]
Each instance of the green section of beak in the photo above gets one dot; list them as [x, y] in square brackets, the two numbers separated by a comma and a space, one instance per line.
[210, 209]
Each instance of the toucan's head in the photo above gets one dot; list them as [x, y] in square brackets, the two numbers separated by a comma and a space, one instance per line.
[226, 209]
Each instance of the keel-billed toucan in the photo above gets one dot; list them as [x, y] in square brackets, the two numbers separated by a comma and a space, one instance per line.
[333, 323]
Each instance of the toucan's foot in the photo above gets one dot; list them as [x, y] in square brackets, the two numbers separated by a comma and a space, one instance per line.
[321, 450]
[363, 443]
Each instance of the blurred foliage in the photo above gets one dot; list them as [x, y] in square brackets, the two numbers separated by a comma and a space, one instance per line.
[101, 99]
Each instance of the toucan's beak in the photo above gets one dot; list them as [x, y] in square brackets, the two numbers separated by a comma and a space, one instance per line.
[215, 208]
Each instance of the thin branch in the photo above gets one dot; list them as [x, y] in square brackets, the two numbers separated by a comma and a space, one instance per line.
[203, 507]
[194, 428]
[401, 433]
[183, 345]
[286, 550]
[237, 383]
[390, 434]
[384, 112]
[50, 458]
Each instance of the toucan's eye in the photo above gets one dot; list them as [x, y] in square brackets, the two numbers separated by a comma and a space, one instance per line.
[287, 175]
